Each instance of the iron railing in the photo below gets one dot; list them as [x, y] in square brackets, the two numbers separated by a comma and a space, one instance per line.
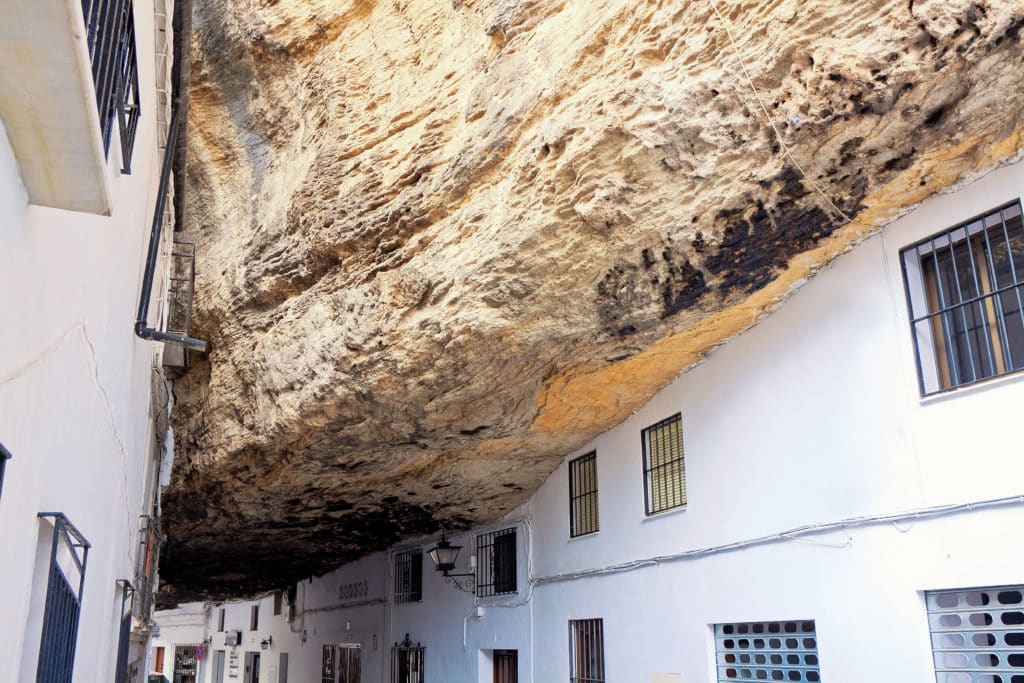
[181, 288]
[964, 290]
[664, 466]
[586, 644]
[407, 662]
[63, 602]
[496, 563]
[583, 511]
[110, 31]
[5, 455]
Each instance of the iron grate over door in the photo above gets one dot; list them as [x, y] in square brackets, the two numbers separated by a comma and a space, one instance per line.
[407, 662]
[63, 602]
[185, 664]
[977, 634]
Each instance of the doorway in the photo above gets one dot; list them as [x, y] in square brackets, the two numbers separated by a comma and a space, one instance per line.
[252, 667]
[349, 663]
[185, 664]
[218, 666]
[506, 666]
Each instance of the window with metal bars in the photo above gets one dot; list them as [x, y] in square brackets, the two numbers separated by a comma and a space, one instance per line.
[586, 651]
[964, 290]
[110, 33]
[409, 576]
[220, 620]
[69, 554]
[407, 662]
[186, 664]
[254, 618]
[767, 651]
[583, 510]
[496, 563]
[121, 674]
[278, 599]
[977, 634]
[664, 470]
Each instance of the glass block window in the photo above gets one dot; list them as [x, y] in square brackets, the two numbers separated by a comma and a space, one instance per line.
[583, 495]
[409, 576]
[586, 648]
[978, 634]
[664, 471]
[496, 562]
[964, 292]
[767, 651]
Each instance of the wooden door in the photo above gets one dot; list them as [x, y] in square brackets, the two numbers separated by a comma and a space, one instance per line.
[506, 666]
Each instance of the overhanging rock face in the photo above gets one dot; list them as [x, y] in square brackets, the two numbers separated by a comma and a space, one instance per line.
[444, 242]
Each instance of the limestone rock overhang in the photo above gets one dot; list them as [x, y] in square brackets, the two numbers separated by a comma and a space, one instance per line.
[441, 245]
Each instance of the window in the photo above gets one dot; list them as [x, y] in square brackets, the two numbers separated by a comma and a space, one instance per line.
[254, 618]
[583, 518]
[123, 641]
[220, 620]
[185, 663]
[277, 604]
[115, 72]
[977, 630]
[409, 576]
[496, 563]
[407, 662]
[664, 472]
[586, 648]
[964, 293]
[767, 651]
[69, 554]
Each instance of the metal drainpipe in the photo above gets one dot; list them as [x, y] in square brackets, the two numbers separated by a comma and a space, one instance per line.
[142, 329]
[181, 74]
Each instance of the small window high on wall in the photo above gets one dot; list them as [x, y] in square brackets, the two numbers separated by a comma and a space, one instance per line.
[583, 512]
[964, 290]
[664, 470]
[409, 576]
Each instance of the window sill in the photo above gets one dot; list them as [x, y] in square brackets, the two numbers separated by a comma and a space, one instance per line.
[973, 388]
[583, 537]
[663, 514]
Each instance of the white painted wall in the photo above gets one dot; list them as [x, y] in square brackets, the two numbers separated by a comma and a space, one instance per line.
[810, 418]
[75, 404]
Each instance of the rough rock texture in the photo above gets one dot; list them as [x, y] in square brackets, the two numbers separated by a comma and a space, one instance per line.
[444, 242]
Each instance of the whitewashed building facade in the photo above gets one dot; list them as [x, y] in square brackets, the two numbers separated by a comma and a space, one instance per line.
[828, 497]
[85, 109]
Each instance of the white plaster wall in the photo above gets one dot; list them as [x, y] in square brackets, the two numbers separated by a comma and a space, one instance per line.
[75, 390]
[811, 417]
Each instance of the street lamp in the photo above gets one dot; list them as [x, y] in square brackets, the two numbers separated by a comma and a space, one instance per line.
[444, 555]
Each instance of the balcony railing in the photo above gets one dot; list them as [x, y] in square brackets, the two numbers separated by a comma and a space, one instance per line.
[110, 28]
[146, 568]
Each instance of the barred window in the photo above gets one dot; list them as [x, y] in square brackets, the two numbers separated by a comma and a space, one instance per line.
[220, 620]
[767, 651]
[664, 471]
[586, 647]
[583, 513]
[278, 598]
[977, 634]
[409, 576]
[254, 618]
[964, 293]
[496, 563]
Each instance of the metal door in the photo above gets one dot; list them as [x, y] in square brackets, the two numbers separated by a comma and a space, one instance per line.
[218, 666]
[506, 666]
[185, 665]
[252, 667]
[283, 678]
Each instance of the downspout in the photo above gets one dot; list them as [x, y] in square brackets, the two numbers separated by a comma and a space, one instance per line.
[142, 329]
[181, 74]
[174, 156]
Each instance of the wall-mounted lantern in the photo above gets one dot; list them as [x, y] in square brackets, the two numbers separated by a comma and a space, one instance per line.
[265, 643]
[444, 556]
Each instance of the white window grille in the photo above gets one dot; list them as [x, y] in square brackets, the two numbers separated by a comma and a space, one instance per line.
[977, 634]
[767, 651]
